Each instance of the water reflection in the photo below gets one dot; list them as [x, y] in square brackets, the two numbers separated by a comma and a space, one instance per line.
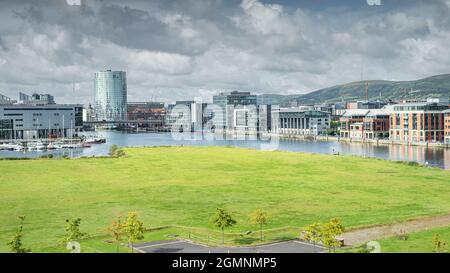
[423, 155]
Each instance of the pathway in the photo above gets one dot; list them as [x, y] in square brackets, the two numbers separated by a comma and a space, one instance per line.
[360, 236]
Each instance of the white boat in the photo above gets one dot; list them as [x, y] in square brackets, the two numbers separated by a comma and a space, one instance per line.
[70, 146]
[94, 140]
[51, 146]
[40, 146]
[19, 147]
[7, 146]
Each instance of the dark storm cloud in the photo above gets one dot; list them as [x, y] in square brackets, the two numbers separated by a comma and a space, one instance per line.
[179, 49]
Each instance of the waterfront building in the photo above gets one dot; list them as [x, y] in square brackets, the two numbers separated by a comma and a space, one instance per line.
[36, 99]
[349, 117]
[357, 130]
[187, 116]
[88, 113]
[110, 96]
[178, 116]
[244, 103]
[145, 111]
[245, 118]
[294, 121]
[376, 124]
[30, 121]
[417, 122]
[265, 118]
[446, 126]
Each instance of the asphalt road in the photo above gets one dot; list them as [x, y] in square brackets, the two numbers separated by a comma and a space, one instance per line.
[178, 246]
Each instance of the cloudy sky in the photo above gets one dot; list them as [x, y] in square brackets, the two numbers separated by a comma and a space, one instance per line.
[181, 49]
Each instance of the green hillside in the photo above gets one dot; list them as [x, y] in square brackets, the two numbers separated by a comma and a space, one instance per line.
[435, 86]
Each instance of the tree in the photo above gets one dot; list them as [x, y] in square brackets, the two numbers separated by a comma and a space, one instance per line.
[260, 218]
[313, 234]
[329, 233]
[133, 228]
[439, 245]
[222, 219]
[16, 244]
[73, 232]
[116, 231]
[113, 149]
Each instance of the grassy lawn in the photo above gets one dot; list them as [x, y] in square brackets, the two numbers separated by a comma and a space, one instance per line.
[183, 186]
[417, 242]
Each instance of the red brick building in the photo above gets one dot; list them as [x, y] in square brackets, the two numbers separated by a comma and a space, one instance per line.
[447, 126]
[417, 122]
[376, 124]
[350, 117]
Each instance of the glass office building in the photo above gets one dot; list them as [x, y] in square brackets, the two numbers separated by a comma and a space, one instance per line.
[110, 95]
[229, 102]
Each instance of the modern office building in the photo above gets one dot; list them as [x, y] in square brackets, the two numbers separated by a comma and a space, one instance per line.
[418, 122]
[238, 103]
[110, 96]
[30, 121]
[37, 99]
[446, 126]
[244, 118]
[185, 116]
[294, 121]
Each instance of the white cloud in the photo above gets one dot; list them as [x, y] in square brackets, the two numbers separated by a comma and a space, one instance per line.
[179, 50]
[73, 2]
[159, 62]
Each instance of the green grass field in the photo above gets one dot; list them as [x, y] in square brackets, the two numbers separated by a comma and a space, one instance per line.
[183, 186]
[417, 242]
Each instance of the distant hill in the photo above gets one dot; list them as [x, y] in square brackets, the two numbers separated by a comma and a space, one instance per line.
[435, 87]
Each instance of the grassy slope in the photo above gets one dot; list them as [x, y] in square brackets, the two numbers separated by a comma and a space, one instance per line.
[417, 242]
[184, 185]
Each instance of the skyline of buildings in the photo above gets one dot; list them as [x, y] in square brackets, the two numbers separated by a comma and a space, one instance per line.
[242, 111]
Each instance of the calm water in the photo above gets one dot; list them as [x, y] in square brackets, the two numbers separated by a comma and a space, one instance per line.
[434, 157]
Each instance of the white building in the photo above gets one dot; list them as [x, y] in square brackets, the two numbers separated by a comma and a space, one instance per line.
[26, 121]
[294, 121]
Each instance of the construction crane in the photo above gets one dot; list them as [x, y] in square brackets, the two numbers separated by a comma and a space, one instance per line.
[367, 91]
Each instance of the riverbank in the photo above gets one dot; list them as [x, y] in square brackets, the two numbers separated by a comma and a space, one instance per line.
[365, 141]
[182, 186]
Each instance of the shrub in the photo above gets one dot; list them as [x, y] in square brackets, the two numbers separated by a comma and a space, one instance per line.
[115, 151]
[402, 235]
